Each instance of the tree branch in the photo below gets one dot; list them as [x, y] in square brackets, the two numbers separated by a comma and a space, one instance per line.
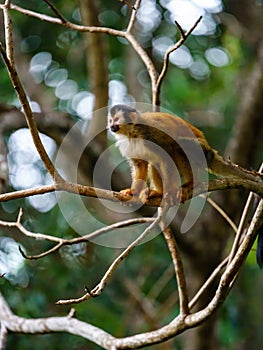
[179, 271]
[88, 191]
[56, 11]
[9, 34]
[133, 16]
[67, 324]
[61, 241]
[240, 230]
[152, 71]
[28, 114]
[230, 273]
[174, 47]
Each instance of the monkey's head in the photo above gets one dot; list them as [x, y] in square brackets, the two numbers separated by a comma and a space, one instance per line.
[121, 119]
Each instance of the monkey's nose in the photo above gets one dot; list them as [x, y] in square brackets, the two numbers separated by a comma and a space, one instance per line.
[115, 128]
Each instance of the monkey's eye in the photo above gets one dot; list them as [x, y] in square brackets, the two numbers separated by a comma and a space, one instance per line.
[116, 119]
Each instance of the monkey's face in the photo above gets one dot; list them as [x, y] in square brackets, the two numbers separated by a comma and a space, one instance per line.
[116, 122]
[121, 119]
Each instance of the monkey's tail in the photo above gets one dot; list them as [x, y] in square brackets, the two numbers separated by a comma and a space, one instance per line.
[219, 166]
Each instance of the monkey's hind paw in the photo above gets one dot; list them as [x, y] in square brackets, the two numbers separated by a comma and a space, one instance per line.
[143, 195]
[154, 194]
[178, 196]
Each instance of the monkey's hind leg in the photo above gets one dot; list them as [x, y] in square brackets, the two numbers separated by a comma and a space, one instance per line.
[187, 176]
[139, 186]
[156, 183]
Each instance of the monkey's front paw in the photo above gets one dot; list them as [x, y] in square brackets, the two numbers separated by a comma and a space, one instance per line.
[127, 192]
[142, 194]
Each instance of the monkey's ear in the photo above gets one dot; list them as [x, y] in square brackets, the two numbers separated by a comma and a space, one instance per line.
[133, 116]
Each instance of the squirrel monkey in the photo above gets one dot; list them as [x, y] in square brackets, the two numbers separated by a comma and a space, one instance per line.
[167, 151]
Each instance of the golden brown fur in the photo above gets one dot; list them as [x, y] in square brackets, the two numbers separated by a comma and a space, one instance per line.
[168, 151]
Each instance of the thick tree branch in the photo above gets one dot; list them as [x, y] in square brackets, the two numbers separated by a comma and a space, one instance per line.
[88, 191]
[68, 324]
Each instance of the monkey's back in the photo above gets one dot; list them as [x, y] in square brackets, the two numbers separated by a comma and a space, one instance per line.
[172, 125]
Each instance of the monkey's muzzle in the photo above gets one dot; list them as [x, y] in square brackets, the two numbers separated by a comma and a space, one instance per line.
[115, 128]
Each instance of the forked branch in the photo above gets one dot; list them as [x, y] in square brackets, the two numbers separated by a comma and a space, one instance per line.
[156, 79]
[63, 242]
[180, 42]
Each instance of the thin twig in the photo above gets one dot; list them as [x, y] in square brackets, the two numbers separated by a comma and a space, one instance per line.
[56, 11]
[160, 284]
[155, 81]
[242, 222]
[234, 265]
[67, 24]
[92, 29]
[174, 47]
[41, 255]
[220, 211]
[133, 16]
[178, 268]
[240, 228]
[235, 245]
[152, 71]
[207, 283]
[22, 229]
[61, 241]
[229, 275]
[133, 7]
[101, 285]
[88, 237]
[144, 302]
[183, 35]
